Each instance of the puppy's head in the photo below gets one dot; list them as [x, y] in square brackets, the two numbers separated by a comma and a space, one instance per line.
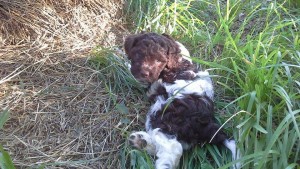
[149, 54]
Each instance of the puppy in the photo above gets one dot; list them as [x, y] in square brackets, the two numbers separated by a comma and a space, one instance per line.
[156, 57]
[182, 112]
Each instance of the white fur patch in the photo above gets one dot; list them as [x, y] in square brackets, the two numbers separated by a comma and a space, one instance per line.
[128, 65]
[160, 100]
[231, 145]
[167, 150]
[184, 52]
[201, 86]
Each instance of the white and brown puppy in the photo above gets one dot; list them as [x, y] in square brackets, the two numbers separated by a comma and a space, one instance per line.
[182, 112]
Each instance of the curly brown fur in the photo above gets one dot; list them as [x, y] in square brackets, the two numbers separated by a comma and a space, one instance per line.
[182, 111]
[155, 56]
[190, 118]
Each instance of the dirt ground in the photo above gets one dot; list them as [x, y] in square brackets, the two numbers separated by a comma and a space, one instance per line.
[57, 102]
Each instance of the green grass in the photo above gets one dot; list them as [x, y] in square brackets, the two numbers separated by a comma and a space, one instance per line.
[111, 66]
[5, 159]
[254, 48]
[125, 92]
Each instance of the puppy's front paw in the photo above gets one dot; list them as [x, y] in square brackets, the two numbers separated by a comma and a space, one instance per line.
[142, 140]
[187, 75]
[137, 140]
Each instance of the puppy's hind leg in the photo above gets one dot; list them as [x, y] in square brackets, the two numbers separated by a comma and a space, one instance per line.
[169, 150]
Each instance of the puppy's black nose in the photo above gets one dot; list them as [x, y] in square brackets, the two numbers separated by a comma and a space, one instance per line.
[144, 73]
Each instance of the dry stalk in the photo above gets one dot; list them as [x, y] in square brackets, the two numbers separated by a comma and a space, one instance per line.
[58, 104]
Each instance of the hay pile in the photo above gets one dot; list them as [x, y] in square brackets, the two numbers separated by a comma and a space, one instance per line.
[57, 103]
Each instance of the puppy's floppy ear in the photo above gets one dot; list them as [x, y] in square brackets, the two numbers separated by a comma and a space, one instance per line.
[130, 41]
[173, 51]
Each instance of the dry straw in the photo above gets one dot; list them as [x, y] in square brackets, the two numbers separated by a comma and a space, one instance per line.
[58, 104]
